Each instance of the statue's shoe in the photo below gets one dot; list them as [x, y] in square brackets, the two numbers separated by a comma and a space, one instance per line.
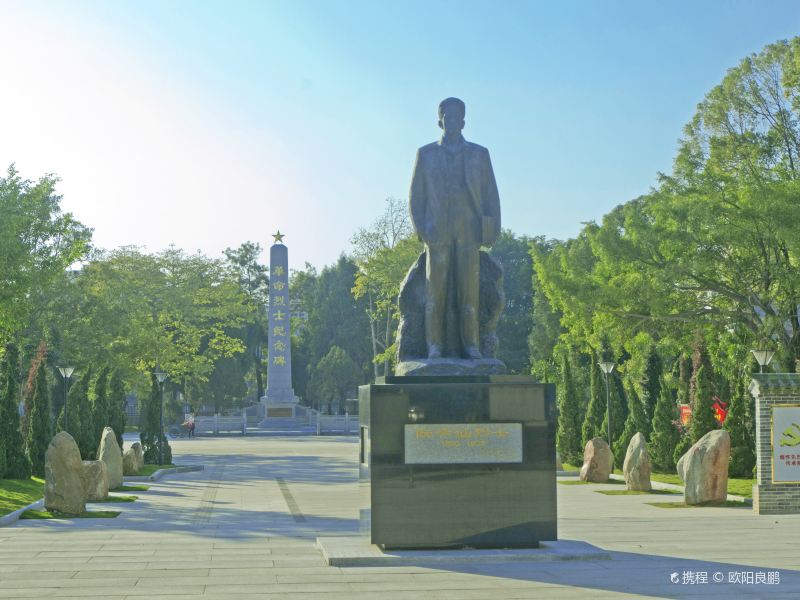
[473, 353]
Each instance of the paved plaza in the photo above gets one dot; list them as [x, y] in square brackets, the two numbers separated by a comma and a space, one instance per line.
[245, 527]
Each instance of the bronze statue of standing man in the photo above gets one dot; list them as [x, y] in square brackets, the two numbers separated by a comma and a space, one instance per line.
[455, 209]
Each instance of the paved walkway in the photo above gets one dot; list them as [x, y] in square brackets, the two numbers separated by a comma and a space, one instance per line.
[245, 528]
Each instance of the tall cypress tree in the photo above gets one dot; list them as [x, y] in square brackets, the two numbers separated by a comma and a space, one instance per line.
[619, 411]
[743, 457]
[684, 375]
[116, 406]
[665, 434]
[593, 422]
[14, 461]
[38, 437]
[69, 419]
[100, 407]
[568, 438]
[3, 410]
[651, 387]
[635, 423]
[57, 403]
[85, 435]
[703, 419]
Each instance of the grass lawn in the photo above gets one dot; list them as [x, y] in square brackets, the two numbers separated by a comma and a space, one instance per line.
[579, 482]
[16, 493]
[726, 504]
[131, 488]
[89, 514]
[635, 492]
[148, 470]
[118, 499]
[737, 487]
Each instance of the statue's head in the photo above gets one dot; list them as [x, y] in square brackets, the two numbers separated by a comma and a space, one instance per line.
[451, 114]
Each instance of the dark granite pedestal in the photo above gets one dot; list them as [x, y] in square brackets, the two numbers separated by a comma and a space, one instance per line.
[454, 462]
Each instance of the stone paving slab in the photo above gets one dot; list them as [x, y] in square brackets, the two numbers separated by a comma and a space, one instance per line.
[228, 532]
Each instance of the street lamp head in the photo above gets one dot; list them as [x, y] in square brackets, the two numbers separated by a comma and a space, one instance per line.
[66, 372]
[160, 375]
[763, 356]
[606, 367]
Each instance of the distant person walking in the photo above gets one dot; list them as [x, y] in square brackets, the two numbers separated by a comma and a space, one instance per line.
[188, 424]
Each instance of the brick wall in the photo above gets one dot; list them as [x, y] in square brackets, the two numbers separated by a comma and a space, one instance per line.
[769, 390]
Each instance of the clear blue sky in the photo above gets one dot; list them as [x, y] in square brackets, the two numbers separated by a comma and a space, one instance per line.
[206, 124]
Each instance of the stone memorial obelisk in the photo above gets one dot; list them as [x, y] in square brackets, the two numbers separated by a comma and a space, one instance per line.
[280, 401]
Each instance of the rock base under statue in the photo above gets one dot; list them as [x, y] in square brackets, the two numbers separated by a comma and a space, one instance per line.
[450, 366]
[411, 344]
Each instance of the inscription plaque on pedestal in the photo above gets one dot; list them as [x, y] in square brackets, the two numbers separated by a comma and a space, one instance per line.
[463, 443]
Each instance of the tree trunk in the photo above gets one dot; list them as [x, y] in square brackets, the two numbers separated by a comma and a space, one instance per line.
[373, 336]
[259, 380]
[387, 361]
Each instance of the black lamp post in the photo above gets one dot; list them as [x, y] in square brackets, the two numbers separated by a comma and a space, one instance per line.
[160, 376]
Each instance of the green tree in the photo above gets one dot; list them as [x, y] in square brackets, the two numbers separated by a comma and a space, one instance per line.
[39, 434]
[619, 412]
[568, 433]
[37, 244]
[81, 424]
[546, 325]
[384, 253]
[100, 410]
[334, 380]
[254, 281]
[150, 429]
[593, 422]
[136, 310]
[743, 457]
[336, 318]
[684, 375]
[226, 385]
[13, 461]
[636, 422]
[665, 434]
[116, 406]
[703, 419]
[731, 199]
[651, 386]
[516, 321]
[302, 291]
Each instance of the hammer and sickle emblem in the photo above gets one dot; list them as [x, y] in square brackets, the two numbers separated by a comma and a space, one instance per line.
[791, 435]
